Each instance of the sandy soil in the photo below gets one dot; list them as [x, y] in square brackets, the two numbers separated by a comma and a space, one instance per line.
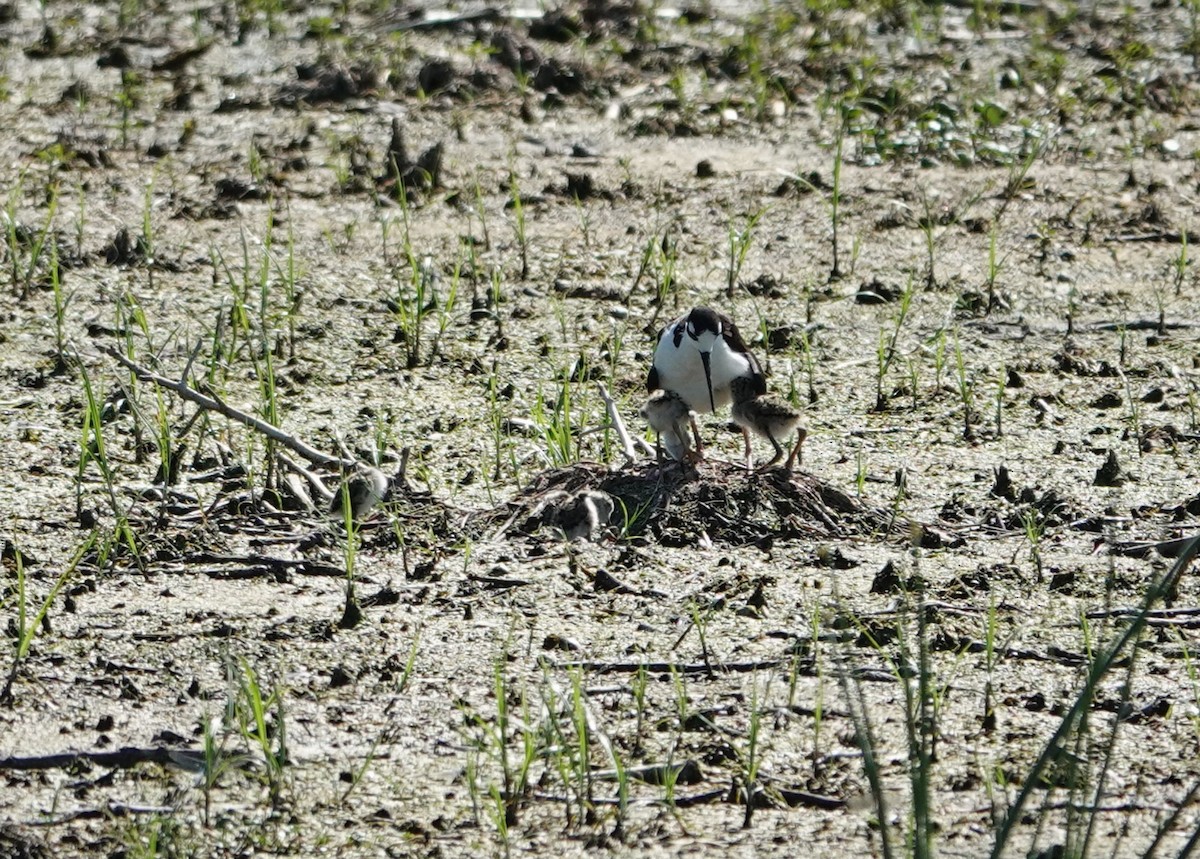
[1000, 385]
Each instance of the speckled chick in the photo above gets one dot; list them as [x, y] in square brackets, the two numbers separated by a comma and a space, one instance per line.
[364, 487]
[669, 416]
[771, 417]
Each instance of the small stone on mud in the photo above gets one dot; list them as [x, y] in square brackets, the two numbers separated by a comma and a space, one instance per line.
[559, 642]
[1110, 473]
[1003, 485]
[604, 581]
[886, 581]
[436, 74]
[876, 291]
[1109, 400]
[834, 559]
[1062, 582]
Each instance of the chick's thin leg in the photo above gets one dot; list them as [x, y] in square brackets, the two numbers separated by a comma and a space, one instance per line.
[778, 452]
[696, 435]
[797, 454]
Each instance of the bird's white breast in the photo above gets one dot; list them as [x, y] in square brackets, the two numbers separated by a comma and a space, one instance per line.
[682, 371]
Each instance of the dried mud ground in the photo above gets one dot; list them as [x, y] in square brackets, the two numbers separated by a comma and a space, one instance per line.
[999, 380]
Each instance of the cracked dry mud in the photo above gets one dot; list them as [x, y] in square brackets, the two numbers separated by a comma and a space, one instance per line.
[436, 230]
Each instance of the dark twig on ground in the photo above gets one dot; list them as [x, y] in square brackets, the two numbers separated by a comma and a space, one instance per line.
[126, 757]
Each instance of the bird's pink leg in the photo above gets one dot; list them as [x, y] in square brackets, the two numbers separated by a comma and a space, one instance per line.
[696, 435]
[778, 453]
[797, 454]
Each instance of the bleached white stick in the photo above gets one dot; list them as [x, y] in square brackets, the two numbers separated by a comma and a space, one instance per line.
[618, 425]
[213, 403]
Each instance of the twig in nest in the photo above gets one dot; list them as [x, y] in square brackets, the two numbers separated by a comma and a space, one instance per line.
[323, 491]
[618, 425]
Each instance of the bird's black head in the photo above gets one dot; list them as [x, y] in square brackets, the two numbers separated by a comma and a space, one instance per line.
[703, 319]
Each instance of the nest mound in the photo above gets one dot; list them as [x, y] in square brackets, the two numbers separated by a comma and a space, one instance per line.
[714, 502]
[679, 505]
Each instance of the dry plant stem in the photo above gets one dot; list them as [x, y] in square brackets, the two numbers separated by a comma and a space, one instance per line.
[401, 478]
[593, 724]
[324, 492]
[618, 425]
[341, 445]
[215, 404]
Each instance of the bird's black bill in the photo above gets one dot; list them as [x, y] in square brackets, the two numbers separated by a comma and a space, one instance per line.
[705, 357]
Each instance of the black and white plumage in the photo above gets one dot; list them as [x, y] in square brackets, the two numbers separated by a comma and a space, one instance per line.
[771, 417]
[668, 415]
[698, 356]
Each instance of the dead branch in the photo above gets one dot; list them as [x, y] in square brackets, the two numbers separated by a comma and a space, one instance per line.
[214, 403]
[122, 758]
[618, 425]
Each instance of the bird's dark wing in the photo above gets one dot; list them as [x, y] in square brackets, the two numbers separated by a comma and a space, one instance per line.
[734, 338]
[652, 379]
